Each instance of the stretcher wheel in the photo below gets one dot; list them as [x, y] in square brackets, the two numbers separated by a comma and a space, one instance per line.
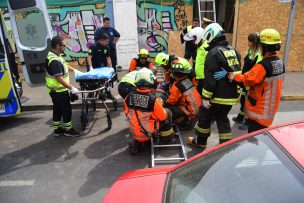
[109, 120]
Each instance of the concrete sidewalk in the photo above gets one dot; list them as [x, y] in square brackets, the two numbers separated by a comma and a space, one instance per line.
[37, 98]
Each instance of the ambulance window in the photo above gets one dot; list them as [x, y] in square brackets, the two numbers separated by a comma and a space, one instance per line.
[31, 28]
[17, 4]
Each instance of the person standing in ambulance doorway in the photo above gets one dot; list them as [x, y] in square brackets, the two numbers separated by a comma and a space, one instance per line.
[218, 96]
[265, 82]
[58, 86]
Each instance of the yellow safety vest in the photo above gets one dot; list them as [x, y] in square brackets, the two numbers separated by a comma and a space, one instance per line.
[51, 83]
[129, 78]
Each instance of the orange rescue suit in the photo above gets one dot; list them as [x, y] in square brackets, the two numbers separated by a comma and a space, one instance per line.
[135, 64]
[185, 95]
[265, 80]
[149, 111]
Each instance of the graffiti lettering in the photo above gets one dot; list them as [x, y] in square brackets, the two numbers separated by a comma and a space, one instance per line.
[77, 26]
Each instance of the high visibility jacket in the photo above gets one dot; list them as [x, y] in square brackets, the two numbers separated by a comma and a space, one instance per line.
[250, 60]
[135, 64]
[185, 95]
[265, 80]
[221, 56]
[51, 83]
[129, 77]
[200, 61]
[149, 111]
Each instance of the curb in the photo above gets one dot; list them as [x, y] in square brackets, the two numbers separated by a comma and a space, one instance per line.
[292, 98]
[74, 106]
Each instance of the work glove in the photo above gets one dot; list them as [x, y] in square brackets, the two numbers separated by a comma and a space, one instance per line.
[74, 90]
[206, 104]
[220, 74]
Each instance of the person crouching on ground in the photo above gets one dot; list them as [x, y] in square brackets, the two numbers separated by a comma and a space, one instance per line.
[184, 100]
[145, 112]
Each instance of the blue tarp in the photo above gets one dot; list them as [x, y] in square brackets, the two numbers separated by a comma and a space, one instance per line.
[96, 74]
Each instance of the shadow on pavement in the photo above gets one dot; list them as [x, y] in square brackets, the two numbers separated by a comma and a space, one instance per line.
[115, 160]
[49, 150]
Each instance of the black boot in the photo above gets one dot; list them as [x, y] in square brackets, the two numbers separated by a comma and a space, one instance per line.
[134, 147]
[239, 118]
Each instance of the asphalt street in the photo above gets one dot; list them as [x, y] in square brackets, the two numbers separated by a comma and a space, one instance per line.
[37, 167]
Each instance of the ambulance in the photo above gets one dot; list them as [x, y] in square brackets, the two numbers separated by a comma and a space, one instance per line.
[32, 33]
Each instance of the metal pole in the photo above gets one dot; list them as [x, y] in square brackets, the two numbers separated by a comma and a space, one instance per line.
[290, 28]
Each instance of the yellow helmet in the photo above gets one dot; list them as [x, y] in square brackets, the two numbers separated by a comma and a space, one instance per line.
[270, 37]
[181, 66]
[143, 53]
[161, 59]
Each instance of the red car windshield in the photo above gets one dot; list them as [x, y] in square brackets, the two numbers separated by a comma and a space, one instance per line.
[252, 170]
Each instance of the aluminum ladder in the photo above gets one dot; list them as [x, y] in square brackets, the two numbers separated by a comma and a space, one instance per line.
[170, 160]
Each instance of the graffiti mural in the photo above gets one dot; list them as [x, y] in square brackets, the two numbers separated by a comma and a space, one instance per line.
[155, 20]
[77, 27]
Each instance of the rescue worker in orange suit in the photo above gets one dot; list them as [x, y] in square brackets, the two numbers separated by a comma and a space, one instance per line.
[190, 48]
[184, 100]
[218, 96]
[265, 81]
[145, 112]
[140, 62]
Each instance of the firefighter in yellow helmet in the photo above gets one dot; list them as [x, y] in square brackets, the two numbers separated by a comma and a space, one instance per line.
[140, 62]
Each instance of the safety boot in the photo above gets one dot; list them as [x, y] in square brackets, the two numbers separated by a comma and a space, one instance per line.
[135, 147]
[194, 142]
[239, 118]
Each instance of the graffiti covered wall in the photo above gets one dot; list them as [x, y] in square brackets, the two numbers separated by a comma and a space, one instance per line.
[155, 19]
[77, 26]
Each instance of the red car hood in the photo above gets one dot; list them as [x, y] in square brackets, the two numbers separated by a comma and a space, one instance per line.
[145, 185]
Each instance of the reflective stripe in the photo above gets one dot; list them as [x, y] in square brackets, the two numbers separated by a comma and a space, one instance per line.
[165, 133]
[68, 125]
[127, 80]
[56, 124]
[269, 101]
[224, 101]
[202, 130]
[192, 101]
[207, 94]
[225, 136]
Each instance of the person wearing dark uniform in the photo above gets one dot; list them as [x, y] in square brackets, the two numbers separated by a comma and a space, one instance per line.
[113, 37]
[218, 95]
[99, 53]
[58, 86]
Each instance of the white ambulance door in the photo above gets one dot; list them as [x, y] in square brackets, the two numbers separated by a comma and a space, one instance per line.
[125, 19]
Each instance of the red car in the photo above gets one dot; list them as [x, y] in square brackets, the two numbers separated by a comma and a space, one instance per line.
[264, 166]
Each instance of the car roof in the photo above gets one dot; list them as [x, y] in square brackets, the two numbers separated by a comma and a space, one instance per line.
[291, 138]
[289, 135]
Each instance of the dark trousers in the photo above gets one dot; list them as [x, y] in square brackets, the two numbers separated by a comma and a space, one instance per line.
[61, 106]
[113, 56]
[205, 116]
[189, 53]
[124, 89]
[254, 126]
[243, 99]
[166, 124]
[199, 87]
[176, 112]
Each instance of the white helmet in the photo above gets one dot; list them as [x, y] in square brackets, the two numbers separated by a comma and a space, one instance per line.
[144, 77]
[195, 34]
[212, 31]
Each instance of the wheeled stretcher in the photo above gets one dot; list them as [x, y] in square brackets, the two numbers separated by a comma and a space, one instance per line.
[95, 85]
